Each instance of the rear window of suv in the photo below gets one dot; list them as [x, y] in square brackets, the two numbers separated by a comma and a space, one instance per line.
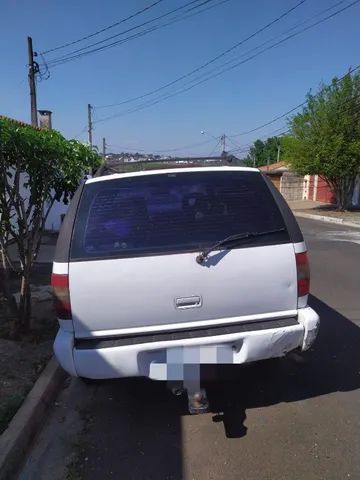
[172, 213]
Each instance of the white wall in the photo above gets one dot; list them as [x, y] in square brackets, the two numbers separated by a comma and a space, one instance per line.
[356, 194]
[53, 222]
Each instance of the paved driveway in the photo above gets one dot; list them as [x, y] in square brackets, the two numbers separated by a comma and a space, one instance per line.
[277, 420]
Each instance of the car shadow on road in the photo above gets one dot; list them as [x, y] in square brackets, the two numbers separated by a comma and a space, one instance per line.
[134, 432]
[136, 424]
[332, 365]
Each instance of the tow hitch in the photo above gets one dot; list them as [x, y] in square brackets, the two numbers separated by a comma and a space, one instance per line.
[197, 399]
[198, 402]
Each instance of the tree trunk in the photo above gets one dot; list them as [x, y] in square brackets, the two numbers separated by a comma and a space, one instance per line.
[23, 323]
[342, 189]
[5, 287]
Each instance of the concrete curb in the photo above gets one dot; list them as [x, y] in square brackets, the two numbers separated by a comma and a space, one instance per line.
[324, 218]
[16, 439]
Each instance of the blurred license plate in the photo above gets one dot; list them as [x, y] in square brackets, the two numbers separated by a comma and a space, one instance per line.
[183, 363]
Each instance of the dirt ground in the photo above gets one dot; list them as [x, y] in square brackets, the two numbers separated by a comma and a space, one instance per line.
[22, 361]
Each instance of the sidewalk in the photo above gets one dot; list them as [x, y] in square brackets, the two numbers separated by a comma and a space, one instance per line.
[325, 212]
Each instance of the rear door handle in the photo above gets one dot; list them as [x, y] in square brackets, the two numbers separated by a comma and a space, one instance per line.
[182, 303]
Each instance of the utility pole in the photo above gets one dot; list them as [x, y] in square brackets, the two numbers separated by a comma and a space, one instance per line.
[90, 125]
[223, 140]
[104, 148]
[278, 153]
[33, 70]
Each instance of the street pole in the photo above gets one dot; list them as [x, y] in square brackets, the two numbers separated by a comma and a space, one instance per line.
[278, 154]
[90, 125]
[104, 148]
[223, 138]
[33, 69]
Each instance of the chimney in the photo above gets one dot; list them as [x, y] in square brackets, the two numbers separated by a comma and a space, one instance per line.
[45, 119]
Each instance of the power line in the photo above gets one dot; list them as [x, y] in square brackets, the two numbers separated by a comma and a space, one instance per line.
[169, 150]
[271, 134]
[86, 37]
[80, 133]
[137, 35]
[229, 62]
[259, 127]
[233, 142]
[156, 101]
[246, 148]
[214, 59]
[271, 121]
[239, 149]
[216, 146]
[80, 52]
[127, 31]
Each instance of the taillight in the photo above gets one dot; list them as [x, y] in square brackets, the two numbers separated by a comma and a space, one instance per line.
[60, 284]
[303, 274]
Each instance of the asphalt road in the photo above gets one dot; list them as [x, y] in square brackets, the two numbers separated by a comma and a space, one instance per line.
[277, 420]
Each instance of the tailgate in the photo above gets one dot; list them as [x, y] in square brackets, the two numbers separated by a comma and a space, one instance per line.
[111, 295]
[135, 242]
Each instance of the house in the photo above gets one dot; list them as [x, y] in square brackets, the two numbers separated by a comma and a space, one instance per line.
[291, 185]
[307, 187]
[275, 172]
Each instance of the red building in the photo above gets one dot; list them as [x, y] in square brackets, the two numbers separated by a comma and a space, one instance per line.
[296, 187]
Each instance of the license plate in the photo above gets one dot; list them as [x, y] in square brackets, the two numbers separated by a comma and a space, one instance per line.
[183, 363]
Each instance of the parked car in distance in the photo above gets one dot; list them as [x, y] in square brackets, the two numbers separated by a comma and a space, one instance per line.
[157, 269]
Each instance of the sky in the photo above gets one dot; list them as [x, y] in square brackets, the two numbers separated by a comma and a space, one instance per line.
[234, 102]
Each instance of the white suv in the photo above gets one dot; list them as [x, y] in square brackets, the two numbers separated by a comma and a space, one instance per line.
[163, 268]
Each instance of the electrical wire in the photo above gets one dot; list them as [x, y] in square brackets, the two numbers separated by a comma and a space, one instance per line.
[80, 133]
[212, 60]
[284, 132]
[238, 149]
[141, 34]
[245, 149]
[229, 62]
[156, 101]
[91, 35]
[233, 142]
[259, 127]
[80, 52]
[213, 150]
[184, 147]
[130, 29]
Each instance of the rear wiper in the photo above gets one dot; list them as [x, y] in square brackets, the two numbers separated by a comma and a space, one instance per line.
[226, 242]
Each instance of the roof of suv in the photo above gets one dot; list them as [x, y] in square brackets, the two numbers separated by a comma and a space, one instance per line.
[171, 170]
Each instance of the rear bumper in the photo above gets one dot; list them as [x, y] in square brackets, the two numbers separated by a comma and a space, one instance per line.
[113, 360]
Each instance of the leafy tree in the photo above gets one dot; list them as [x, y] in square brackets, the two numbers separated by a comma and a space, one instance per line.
[261, 153]
[37, 167]
[325, 137]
